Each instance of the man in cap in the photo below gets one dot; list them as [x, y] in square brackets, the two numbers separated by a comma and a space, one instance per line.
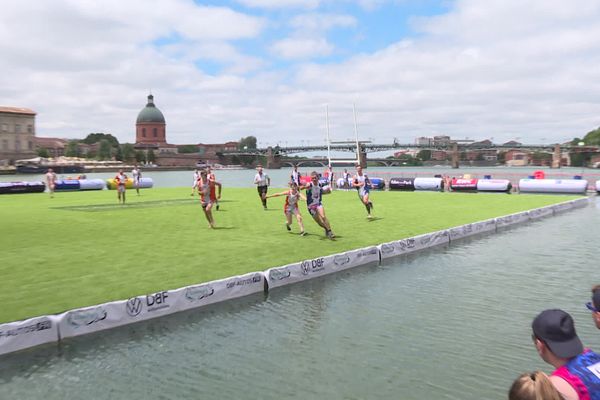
[594, 305]
[577, 373]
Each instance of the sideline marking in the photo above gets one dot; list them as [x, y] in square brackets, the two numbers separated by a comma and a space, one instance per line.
[127, 206]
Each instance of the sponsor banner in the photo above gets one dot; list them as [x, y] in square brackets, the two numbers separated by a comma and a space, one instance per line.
[402, 184]
[320, 266]
[541, 212]
[512, 219]
[409, 245]
[28, 333]
[220, 290]
[476, 228]
[110, 315]
[463, 184]
[582, 202]
[562, 207]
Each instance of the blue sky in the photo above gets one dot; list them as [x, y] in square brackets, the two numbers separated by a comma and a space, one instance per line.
[221, 70]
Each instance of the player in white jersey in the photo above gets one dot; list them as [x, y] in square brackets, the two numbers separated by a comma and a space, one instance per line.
[262, 182]
[196, 177]
[314, 196]
[137, 175]
[51, 181]
[290, 208]
[362, 183]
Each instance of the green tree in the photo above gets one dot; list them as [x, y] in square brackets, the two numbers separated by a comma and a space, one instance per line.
[128, 152]
[150, 156]
[72, 149]
[140, 156]
[424, 155]
[592, 138]
[119, 154]
[248, 142]
[97, 137]
[43, 152]
[187, 149]
[105, 150]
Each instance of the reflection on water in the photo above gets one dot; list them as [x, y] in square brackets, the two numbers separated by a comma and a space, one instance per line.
[449, 323]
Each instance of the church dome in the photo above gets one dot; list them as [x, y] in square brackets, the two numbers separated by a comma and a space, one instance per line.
[150, 113]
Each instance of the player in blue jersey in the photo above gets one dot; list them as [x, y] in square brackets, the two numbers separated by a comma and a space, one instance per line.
[362, 183]
[314, 194]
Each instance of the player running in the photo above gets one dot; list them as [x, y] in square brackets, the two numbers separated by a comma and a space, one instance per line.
[362, 183]
[211, 177]
[291, 206]
[206, 189]
[314, 194]
[137, 175]
[121, 180]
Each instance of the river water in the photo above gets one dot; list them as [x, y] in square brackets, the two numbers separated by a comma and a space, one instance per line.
[449, 323]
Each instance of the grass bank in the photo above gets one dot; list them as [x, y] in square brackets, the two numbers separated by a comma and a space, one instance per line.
[82, 248]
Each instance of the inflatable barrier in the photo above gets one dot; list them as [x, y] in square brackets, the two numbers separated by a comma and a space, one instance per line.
[553, 185]
[402, 184]
[461, 184]
[145, 183]
[91, 184]
[21, 187]
[429, 184]
[63, 185]
[416, 184]
[377, 183]
[598, 186]
[344, 185]
[494, 185]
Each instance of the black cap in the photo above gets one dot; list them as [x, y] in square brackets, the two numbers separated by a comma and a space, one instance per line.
[557, 329]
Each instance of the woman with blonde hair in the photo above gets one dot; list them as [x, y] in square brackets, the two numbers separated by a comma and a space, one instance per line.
[533, 386]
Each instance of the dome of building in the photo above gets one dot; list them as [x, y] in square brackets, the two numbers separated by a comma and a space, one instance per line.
[150, 113]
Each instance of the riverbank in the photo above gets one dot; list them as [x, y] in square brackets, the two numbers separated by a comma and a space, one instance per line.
[82, 248]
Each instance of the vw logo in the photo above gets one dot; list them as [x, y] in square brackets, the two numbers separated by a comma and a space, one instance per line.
[133, 306]
[305, 267]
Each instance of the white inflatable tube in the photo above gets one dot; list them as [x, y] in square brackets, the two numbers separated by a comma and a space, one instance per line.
[91, 184]
[553, 185]
[428, 184]
[598, 186]
[146, 183]
[493, 185]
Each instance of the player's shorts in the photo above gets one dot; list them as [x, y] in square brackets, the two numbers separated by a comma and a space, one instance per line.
[121, 188]
[313, 209]
[362, 192]
[291, 210]
[262, 190]
[206, 203]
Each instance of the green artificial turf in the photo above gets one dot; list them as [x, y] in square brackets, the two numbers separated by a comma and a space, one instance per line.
[83, 248]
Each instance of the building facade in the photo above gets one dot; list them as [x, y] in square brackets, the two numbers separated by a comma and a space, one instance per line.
[150, 126]
[17, 133]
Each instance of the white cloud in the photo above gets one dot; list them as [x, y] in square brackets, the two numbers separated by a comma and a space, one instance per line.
[301, 48]
[315, 22]
[484, 69]
[309, 4]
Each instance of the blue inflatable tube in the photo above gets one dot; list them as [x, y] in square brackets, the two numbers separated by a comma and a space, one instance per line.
[21, 187]
[91, 184]
[377, 183]
[64, 185]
